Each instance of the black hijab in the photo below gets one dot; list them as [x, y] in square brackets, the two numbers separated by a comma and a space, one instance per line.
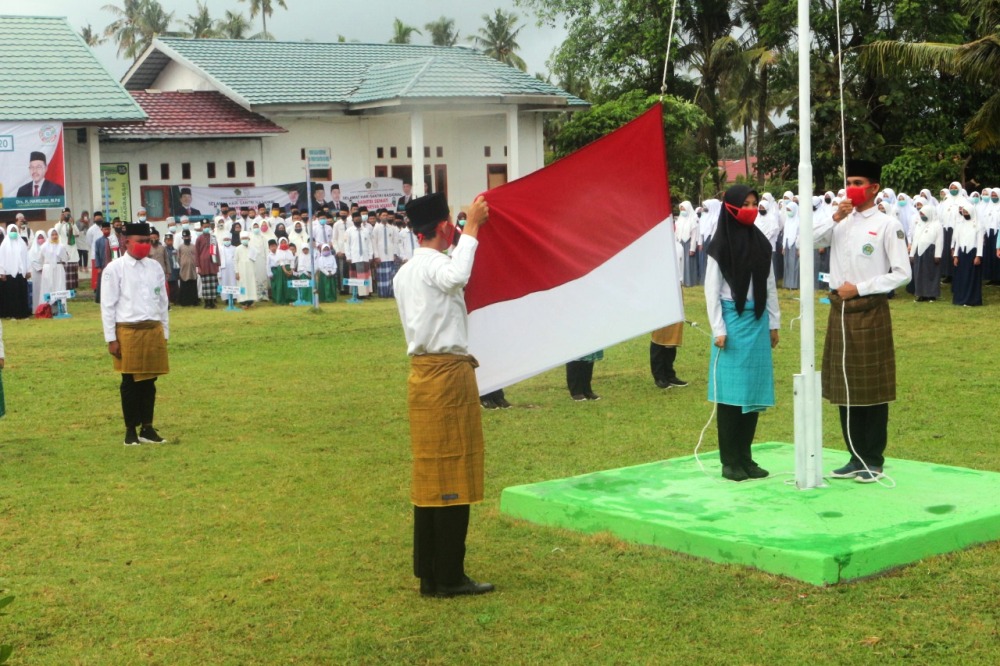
[742, 252]
[234, 234]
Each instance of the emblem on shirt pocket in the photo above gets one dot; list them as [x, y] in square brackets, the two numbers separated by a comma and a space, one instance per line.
[899, 234]
[868, 249]
[156, 291]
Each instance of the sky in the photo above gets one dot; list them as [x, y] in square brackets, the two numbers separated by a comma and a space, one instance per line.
[322, 20]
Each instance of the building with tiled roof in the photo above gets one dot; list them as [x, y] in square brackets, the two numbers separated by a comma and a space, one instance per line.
[476, 122]
[48, 74]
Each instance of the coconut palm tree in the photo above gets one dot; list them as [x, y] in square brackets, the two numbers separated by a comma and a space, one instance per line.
[138, 22]
[498, 38]
[402, 33]
[201, 25]
[234, 26]
[976, 62]
[442, 32]
[265, 8]
[91, 38]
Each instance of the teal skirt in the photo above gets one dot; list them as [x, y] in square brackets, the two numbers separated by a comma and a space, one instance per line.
[742, 374]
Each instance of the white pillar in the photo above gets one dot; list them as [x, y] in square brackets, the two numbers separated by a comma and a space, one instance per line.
[96, 193]
[417, 148]
[513, 145]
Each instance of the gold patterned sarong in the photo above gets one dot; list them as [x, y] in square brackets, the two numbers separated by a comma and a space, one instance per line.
[446, 431]
[143, 350]
[669, 336]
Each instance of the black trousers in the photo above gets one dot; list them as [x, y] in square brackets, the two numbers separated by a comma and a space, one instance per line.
[869, 432]
[439, 543]
[736, 431]
[138, 401]
[661, 362]
[578, 376]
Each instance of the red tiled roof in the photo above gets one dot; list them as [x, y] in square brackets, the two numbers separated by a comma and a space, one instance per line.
[197, 113]
[734, 168]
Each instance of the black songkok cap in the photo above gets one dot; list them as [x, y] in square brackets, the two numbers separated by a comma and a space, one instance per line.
[864, 169]
[37, 156]
[185, 190]
[137, 228]
[425, 212]
[105, 224]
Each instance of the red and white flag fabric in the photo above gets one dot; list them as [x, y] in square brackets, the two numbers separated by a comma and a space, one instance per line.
[576, 257]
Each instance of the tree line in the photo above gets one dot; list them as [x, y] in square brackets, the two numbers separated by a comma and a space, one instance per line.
[921, 84]
[137, 22]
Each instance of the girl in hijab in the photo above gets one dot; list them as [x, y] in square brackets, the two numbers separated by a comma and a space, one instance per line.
[280, 231]
[686, 229]
[991, 228]
[14, 273]
[951, 199]
[906, 214]
[790, 246]
[227, 263]
[54, 259]
[739, 290]
[263, 273]
[35, 266]
[246, 258]
[925, 254]
[967, 249]
[235, 233]
[281, 271]
[326, 269]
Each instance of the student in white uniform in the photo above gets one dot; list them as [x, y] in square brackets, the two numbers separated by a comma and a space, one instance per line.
[967, 252]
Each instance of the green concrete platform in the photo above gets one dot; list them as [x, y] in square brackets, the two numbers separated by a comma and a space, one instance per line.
[822, 536]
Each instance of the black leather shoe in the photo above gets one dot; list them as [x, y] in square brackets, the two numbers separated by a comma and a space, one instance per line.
[469, 586]
[755, 471]
[734, 473]
[427, 587]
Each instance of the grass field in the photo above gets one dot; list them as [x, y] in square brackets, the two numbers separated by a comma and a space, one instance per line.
[275, 527]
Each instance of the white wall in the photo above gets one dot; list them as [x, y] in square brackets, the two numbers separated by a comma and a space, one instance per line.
[354, 142]
[177, 77]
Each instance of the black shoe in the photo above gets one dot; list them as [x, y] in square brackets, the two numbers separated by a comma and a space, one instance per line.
[427, 587]
[488, 404]
[579, 397]
[503, 404]
[755, 471]
[468, 586]
[131, 439]
[676, 382]
[148, 435]
[662, 384]
[734, 473]
[592, 396]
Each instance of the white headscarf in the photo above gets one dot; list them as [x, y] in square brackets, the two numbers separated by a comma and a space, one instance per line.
[926, 194]
[52, 250]
[925, 231]
[791, 214]
[13, 254]
[35, 251]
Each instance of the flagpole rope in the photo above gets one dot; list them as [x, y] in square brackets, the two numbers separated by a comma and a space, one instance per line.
[670, 41]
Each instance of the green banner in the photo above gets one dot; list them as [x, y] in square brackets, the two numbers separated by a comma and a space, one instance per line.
[116, 191]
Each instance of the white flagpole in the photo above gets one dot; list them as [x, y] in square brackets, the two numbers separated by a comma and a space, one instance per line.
[808, 415]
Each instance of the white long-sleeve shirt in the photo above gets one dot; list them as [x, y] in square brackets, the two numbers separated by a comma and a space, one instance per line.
[133, 290]
[429, 295]
[407, 244]
[359, 246]
[866, 249]
[718, 290]
[339, 236]
[384, 236]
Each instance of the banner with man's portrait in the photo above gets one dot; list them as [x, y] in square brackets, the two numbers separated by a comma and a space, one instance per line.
[32, 171]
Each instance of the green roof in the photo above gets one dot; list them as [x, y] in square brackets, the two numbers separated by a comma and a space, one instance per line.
[344, 73]
[47, 72]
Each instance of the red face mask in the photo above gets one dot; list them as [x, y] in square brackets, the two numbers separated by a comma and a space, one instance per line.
[745, 216]
[106, 232]
[139, 250]
[858, 195]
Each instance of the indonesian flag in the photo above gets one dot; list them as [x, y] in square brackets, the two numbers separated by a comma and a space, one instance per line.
[576, 257]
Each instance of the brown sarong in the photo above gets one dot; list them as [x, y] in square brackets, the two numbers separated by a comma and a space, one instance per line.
[871, 358]
[143, 350]
[446, 431]
[669, 336]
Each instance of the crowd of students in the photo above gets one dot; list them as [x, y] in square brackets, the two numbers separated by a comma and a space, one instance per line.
[952, 238]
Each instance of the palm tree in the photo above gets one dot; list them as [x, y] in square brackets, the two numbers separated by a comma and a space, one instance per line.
[90, 37]
[976, 62]
[138, 22]
[442, 32]
[265, 8]
[498, 38]
[234, 26]
[402, 32]
[201, 25]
